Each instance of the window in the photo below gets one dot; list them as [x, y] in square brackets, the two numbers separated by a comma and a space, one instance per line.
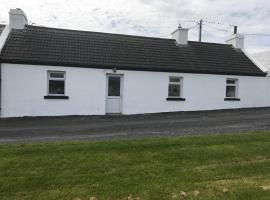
[175, 87]
[114, 86]
[56, 83]
[231, 88]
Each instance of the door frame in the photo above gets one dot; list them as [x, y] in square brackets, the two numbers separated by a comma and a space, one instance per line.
[121, 91]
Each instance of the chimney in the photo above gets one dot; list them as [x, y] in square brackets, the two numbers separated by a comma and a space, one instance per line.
[17, 19]
[180, 35]
[237, 40]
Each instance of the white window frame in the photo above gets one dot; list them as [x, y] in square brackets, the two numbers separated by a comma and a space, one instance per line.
[235, 84]
[180, 83]
[55, 79]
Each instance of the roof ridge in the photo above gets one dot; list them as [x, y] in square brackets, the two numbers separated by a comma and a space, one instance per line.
[211, 43]
[62, 47]
[97, 32]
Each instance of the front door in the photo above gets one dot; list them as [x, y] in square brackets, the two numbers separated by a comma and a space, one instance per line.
[114, 94]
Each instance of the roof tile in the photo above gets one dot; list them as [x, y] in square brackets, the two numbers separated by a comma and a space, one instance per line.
[50, 46]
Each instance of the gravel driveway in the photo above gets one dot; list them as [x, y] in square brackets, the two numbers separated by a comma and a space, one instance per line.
[31, 129]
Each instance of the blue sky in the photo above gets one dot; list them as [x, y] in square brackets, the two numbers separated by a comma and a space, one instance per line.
[157, 18]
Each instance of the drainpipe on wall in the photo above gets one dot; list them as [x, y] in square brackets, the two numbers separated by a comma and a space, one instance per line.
[0, 91]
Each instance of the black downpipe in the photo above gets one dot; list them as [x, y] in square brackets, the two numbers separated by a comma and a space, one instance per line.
[0, 90]
[235, 30]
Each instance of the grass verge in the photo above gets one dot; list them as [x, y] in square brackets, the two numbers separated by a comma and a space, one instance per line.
[192, 167]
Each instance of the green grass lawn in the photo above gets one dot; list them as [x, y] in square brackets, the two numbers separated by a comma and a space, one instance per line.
[217, 167]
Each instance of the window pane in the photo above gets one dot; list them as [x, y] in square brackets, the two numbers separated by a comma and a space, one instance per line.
[175, 79]
[56, 87]
[230, 91]
[57, 75]
[174, 90]
[231, 81]
[114, 86]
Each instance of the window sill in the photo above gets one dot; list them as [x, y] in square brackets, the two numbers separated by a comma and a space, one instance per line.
[231, 99]
[56, 97]
[175, 99]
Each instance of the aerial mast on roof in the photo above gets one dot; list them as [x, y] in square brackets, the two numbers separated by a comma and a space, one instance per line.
[200, 23]
[200, 30]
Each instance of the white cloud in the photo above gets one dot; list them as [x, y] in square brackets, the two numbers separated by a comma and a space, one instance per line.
[150, 17]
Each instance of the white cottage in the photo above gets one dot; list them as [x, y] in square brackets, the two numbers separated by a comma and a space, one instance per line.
[51, 72]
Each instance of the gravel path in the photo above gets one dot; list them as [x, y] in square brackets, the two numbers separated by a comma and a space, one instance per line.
[40, 129]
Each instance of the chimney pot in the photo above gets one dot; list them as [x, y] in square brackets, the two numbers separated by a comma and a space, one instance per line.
[237, 40]
[180, 35]
[235, 30]
[17, 19]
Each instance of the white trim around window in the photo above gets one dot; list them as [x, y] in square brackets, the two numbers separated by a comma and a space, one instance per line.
[56, 85]
[175, 88]
[232, 89]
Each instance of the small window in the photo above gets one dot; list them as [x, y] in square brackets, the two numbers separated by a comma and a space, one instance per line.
[175, 87]
[231, 88]
[114, 86]
[56, 83]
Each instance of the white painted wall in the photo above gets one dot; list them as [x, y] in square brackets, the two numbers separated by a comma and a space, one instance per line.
[146, 92]
[24, 88]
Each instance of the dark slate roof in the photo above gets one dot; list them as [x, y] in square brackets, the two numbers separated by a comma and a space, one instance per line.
[51, 46]
[2, 26]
